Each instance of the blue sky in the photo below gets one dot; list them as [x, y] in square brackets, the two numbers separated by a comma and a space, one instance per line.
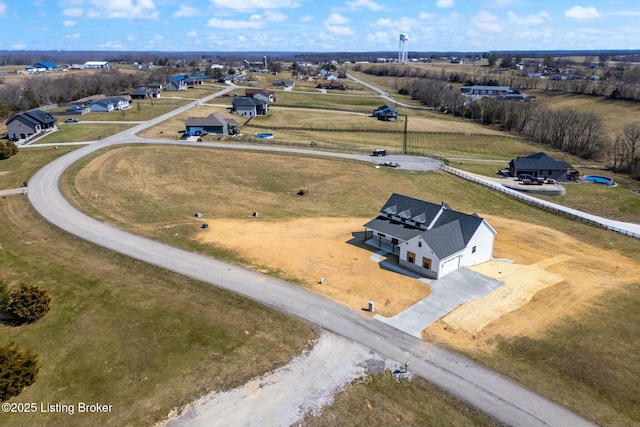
[318, 26]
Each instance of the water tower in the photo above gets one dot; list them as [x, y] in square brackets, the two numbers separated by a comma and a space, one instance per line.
[402, 52]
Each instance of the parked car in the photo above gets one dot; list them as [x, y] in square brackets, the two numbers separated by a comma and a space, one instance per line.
[72, 120]
[379, 152]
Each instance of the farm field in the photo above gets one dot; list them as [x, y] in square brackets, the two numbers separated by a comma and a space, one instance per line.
[317, 237]
[124, 333]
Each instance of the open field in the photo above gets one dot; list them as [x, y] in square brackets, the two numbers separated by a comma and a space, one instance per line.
[295, 233]
[384, 400]
[127, 334]
[21, 167]
[80, 132]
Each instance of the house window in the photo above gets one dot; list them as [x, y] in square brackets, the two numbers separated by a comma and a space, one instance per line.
[473, 250]
[411, 257]
[419, 243]
[426, 263]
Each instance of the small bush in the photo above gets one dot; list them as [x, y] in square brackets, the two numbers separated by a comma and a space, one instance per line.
[29, 303]
[4, 295]
[17, 371]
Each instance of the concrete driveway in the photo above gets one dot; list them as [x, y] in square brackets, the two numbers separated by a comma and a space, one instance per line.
[447, 293]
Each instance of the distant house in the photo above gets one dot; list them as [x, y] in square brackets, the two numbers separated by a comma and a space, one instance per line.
[505, 92]
[30, 123]
[141, 92]
[263, 94]
[386, 113]
[542, 166]
[41, 67]
[284, 83]
[107, 105]
[97, 64]
[215, 123]
[175, 85]
[227, 78]
[249, 107]
[331, 85]
[430, 239]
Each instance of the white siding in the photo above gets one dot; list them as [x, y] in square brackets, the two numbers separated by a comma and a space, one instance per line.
[482, 240]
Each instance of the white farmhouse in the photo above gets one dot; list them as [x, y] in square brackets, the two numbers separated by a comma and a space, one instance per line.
[430, 239]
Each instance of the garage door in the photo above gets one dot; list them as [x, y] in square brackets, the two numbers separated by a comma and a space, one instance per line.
[449, 266]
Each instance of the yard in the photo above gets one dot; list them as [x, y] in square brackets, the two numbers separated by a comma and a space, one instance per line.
[305, 238]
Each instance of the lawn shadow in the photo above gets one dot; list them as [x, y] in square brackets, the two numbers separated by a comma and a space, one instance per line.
[10, 319]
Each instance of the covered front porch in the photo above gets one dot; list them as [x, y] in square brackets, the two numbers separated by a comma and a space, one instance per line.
[381, 241]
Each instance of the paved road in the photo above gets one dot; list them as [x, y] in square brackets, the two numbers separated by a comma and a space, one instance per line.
[493, 393]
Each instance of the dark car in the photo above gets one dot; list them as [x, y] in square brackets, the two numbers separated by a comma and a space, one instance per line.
[379, 153]
[72, 120]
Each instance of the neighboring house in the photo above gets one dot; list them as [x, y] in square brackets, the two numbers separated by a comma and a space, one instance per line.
[386, 113]
[215, 123]
[175, 85]
[29, 123]
[505, 92]
[262, 94]
[142, 92]
[97, 64]
[195, 80]
[331, 85]
[430, 239]
[287, 84]
[155, 89]
[249, 107]
[107, 105]
[227, 78]
[41, 67]
[331, 77]
[542, 166]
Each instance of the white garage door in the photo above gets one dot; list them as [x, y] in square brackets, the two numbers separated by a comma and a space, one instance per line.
[449, 266]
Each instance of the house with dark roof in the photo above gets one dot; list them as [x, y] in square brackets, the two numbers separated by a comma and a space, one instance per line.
[249, 107]
[263, 94]
[541, 165]
[386, 113]
[430, 239]
[176, 85]
[287, 84]
[25, 125]
[141, 92]
[215, 123]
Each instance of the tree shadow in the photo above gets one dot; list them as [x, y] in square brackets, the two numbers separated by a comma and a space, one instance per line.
[9, 319]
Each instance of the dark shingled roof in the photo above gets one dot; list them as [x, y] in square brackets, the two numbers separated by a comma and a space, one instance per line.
[539, 161]
[450, 233]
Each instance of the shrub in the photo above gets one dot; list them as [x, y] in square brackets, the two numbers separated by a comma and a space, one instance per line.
[29, 303]
[17, 371]
[4, 295]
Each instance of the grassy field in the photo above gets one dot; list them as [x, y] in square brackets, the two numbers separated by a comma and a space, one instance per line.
[132, 186]
[21, 167]
[80, 132]
[123, 333]
[384, 400]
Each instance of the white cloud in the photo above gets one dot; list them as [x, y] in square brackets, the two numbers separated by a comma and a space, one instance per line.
[192, 34]
[306, 18]
[249, 5]
[131, 38]
[426, 16]
[115, 44]
[73, 36]
[486, 21]
[69, 23]
[231, 24]
[129, 9]
[336, 24]
[336, 19]
[444, 3]
[363, 4]
[19, 46]
[538, 18]
[579, 12]
[73, 12]
[186, 11]
[3, 10]
[272, 16]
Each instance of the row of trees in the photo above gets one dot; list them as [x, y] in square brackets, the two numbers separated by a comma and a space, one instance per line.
[26, 304]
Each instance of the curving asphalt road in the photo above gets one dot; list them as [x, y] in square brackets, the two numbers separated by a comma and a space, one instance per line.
[496, 395]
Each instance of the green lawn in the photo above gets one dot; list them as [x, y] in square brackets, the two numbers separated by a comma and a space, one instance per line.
[21, 167]
[124, 333]
[80, 132]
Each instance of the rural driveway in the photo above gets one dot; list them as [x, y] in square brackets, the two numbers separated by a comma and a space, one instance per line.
[494, 394]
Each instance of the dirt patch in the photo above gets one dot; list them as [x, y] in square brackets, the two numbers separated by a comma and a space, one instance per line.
[314, 248]
[553, 275]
